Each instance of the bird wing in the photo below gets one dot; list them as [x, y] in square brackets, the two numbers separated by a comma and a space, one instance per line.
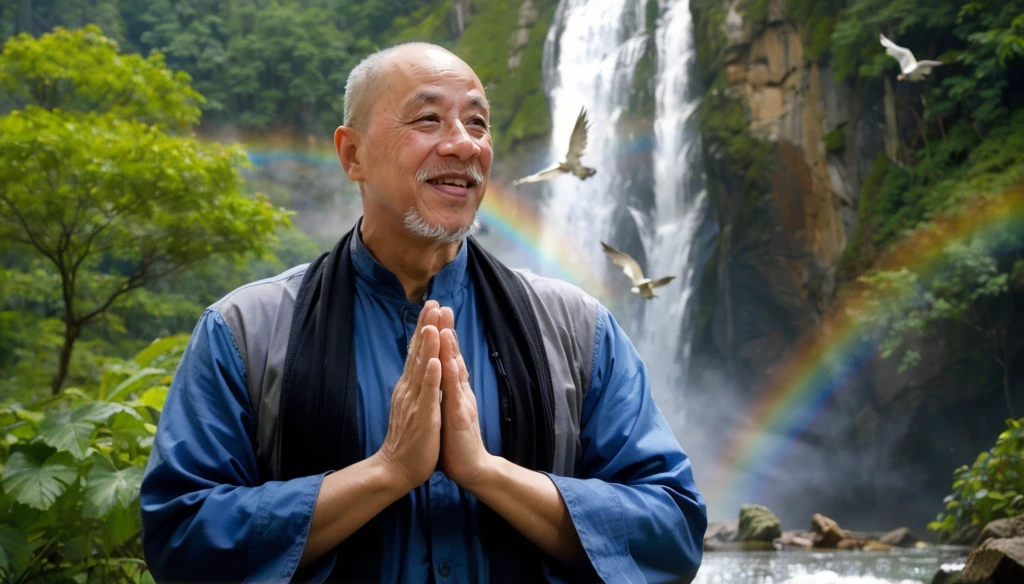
[927, 63]
[548, 173]
[904, 56]
[629, 265]
[578, 140]
[662, 281]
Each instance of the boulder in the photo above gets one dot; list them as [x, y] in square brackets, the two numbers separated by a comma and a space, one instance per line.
[1000, 528]
[720, 533]
[827, 533]
[901, 537]
[876, 546]
[998, 560]
[849, 543]
[758, 523]
[795, 539]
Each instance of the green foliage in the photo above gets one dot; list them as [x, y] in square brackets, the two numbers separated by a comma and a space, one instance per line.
[817, 20]
[964, 291]
[641, 92]
[426, 24]
[279, 62]
[835, 141]
[107, 198]
[71, 470]
[520, 112]
[964, 166]
[82, 71]
[709, 32]
[756, 10]
[991, 488]
[994, 36]
[724, 122]
[980, 40]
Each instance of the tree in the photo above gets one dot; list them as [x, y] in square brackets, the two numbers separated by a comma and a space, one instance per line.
[99, 178]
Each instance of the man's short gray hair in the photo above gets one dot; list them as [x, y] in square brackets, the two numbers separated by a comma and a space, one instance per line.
[363, 84]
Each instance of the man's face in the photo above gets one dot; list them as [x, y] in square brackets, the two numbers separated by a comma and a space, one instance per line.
[427, 146]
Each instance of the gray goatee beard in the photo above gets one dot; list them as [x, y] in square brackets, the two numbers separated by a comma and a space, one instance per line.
[419, 227]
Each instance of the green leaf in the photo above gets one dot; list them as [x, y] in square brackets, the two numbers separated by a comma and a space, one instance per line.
[77, 548]
[154, 398]
[36, 483]
[15, 553]
[122, 524]
[137, 380]
[107, 488]
[161, 348]
[71, 432]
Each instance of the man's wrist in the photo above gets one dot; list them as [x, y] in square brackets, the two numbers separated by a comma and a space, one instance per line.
[388, 477]
[491, 471]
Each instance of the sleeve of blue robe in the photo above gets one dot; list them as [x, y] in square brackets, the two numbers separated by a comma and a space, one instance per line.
[205, 516]
[635, 506]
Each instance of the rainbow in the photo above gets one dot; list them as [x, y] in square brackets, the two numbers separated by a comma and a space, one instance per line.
[826, 361]
[515, 218]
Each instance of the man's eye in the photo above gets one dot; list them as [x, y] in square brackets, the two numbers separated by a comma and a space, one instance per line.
[430, 118]
[479, 121]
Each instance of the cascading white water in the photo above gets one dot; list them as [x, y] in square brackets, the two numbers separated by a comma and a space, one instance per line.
[591, 54]
[679, 203]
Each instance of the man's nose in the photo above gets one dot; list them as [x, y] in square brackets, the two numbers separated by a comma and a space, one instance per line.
[459, 143]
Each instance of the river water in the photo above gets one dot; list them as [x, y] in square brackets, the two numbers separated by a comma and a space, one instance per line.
[897, 566]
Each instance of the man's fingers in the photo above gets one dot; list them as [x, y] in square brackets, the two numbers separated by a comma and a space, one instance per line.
[463, 370]
[447, 348]
[450, 382]
[429, 347]
[446, 319]
[449, 364]
[430, 388]
[427, 316]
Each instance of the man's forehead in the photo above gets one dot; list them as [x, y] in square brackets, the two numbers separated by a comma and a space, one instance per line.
[431, 96]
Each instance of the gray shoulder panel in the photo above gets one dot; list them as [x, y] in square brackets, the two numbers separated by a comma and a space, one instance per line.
[568, 318]
[260, 317]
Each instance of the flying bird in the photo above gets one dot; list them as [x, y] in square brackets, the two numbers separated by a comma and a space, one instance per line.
[571, 164]
[912, 69]
[641, 285]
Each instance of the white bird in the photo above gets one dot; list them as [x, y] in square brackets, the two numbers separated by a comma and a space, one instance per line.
[571, 164]
[641, 285]
[912, 69]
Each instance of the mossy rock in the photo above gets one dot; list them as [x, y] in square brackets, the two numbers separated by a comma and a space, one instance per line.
[758, 523]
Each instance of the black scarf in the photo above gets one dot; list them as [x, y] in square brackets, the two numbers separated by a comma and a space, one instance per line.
[318, 399]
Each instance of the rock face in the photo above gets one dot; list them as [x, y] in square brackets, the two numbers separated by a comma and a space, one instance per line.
[758, 523]
[901, 537]
[787, 150]
[998, 560]
[1002, 528]
[827, 533]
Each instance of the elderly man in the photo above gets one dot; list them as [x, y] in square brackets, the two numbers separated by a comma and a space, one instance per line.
[407, 409]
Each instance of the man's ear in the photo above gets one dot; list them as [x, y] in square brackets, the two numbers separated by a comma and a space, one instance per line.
[348, 142]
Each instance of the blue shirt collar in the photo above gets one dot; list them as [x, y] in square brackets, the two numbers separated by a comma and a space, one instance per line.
[450, 279]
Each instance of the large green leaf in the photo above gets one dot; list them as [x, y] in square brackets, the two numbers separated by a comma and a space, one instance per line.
[154, 398]
[120, 525]
[162, 348]
[107, 488]
[38, 483]
[137, 380]
[72, 431]
[14, 553]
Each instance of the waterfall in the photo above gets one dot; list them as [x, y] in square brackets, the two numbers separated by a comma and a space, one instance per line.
[591, 55]
[679, 200]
